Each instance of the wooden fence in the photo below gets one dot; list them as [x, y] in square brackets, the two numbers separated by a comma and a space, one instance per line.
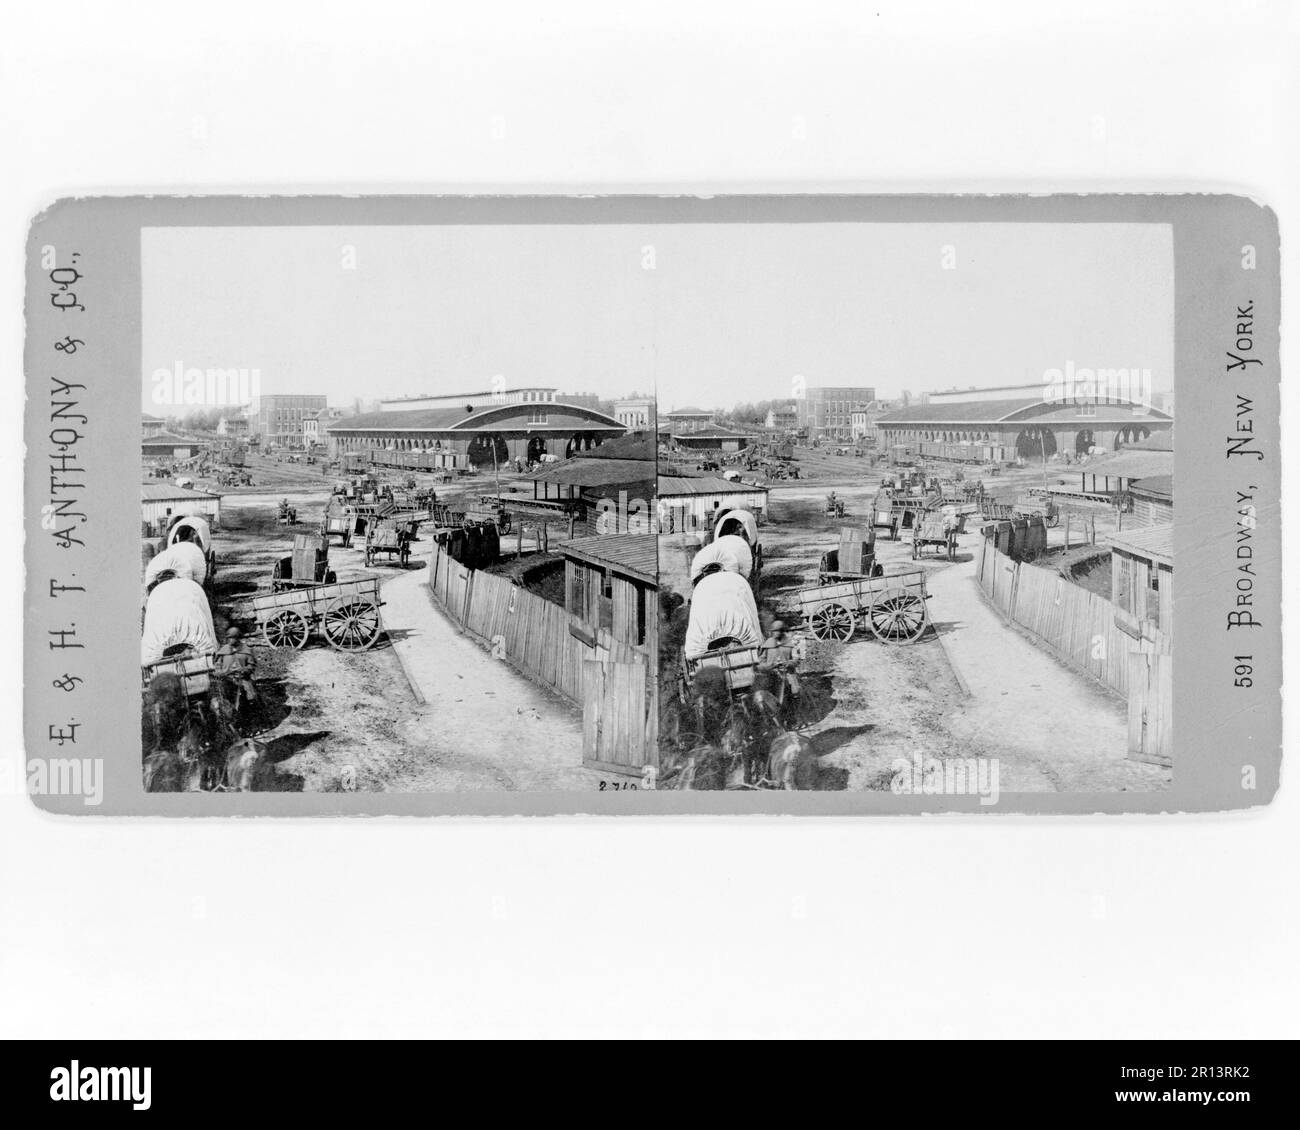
[590, 669]
[1088, 632]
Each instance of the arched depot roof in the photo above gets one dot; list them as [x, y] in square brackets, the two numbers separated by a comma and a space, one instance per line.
[523, 417]
[1003, 412]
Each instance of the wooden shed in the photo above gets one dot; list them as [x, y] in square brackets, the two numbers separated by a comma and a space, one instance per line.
[1153, 500]
[163, 502]
[611, 582]
[1142, 576]
[687, 503]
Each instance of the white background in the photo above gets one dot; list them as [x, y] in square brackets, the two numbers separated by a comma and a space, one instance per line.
[927, 927]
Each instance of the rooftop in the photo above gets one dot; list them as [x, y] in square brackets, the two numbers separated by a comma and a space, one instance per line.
[1155, 543]
[167, 439]
[559, 417]
[587, 472]
[1157, 486]
[1130, 464]
[678, 485]
[634, 555]
[981, 411]
[163, 492]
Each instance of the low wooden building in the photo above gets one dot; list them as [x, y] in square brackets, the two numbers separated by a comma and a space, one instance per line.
[687, 503]
[1142, 578]
[161, 503]
[1103, 475]
[725, 440]
[164, 445]
[612, 583]
[1153, 500]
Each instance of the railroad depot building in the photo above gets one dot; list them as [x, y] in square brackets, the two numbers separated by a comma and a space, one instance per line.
[1025, 420]
[475, 433]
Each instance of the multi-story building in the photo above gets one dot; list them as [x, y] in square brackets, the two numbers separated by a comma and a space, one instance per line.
[826, 412]
[783, 416]
[636, 413]
[235, 426]
[682, 421]
[278, 419]
[315, 428]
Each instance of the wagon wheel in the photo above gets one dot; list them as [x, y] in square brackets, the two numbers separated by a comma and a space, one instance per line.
[351, 623]
[286, 628]
[1053, 520]
[898, 617]
[832, 622]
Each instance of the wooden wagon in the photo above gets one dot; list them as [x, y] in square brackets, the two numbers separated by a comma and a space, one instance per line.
[938, 531]
[391, 538]
[738, 665]
[193, 670]
[892, 607]
[346, 613]
[853, 559]
[308, 564]
[339, 525]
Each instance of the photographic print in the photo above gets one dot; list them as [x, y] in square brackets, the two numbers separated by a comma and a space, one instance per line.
[916, 504]
[809, 505]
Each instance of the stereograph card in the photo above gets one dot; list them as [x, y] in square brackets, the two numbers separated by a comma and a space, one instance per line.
[806, 505]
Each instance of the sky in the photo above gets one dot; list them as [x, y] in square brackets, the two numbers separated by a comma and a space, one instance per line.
[706, 315]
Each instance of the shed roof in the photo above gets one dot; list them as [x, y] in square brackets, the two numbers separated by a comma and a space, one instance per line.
[678, 485]
[1155, 486]
[1155, 543]
[168, 439]
[1128, 464]
[634, 555]
[167, 492]
[585, 472]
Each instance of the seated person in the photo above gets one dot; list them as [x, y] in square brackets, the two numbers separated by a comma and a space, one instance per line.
[776, 657]
[235, 661]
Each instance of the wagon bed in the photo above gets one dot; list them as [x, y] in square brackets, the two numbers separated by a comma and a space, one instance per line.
[892, 607]
[737, 664]
[346, 613]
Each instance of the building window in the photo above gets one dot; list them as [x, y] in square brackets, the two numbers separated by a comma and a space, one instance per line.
[537, 416]
[1088, 408]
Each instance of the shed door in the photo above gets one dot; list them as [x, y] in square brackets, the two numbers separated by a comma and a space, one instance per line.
[618, 727]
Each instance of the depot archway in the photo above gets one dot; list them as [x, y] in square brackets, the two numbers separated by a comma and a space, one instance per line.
[1036, 443]
[482, 449]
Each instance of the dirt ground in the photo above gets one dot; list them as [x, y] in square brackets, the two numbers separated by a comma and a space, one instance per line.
[973, 687]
